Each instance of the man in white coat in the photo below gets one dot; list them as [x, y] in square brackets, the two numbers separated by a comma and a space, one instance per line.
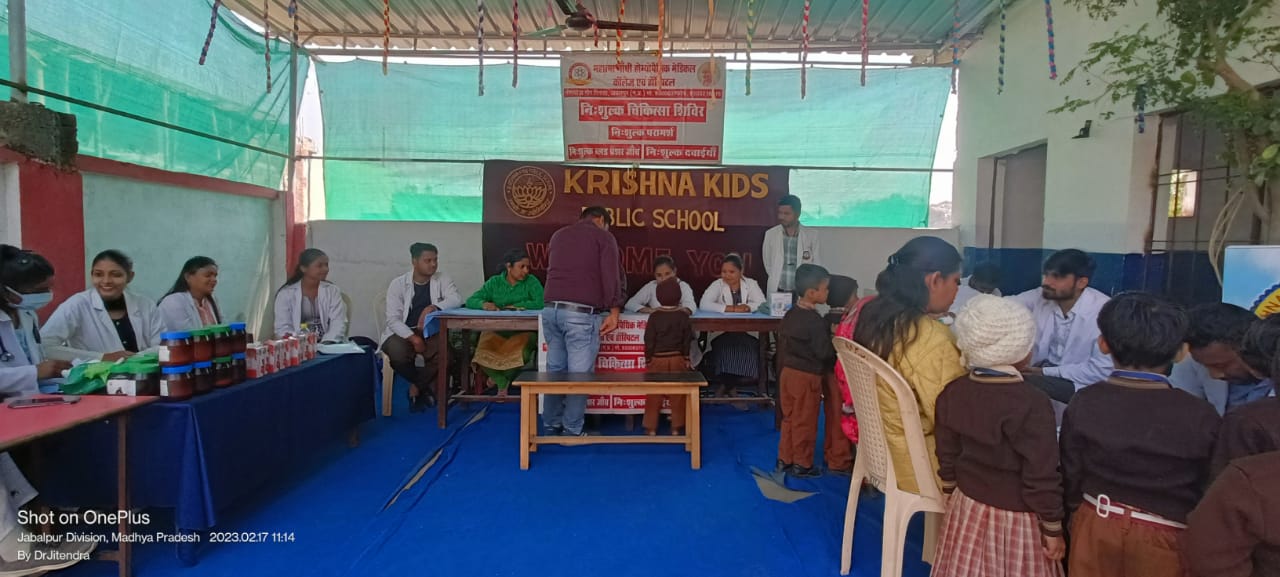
[410, 298]
[787, 246]
[1066, 312]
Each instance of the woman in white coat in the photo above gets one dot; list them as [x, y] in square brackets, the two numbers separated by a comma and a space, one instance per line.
[189, 305]
[106, 322]
[307, 298]
[25, 281]
[735, 357]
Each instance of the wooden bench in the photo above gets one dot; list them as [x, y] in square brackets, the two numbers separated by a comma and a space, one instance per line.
[533, 384]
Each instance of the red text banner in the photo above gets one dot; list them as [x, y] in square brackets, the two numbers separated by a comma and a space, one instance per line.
[695, 216]
[625, 110]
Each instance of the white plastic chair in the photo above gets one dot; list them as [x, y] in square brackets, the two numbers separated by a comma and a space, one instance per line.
[388, 375]
[875, 465]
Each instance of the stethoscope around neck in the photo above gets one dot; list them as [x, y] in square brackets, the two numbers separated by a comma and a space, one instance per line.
[6, 356]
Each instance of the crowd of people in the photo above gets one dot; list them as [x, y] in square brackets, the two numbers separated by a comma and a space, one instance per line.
[1138, 433]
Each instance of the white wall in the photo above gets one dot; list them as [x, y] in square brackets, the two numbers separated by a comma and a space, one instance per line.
[365, 255]
[1098, 189]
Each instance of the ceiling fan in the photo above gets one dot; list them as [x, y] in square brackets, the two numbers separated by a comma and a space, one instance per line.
[578, 18]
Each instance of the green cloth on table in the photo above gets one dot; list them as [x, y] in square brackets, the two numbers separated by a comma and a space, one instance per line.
[91, 377]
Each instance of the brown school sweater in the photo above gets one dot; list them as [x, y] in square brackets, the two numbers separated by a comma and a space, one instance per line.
[997, 441]
[804, 342]
[1235, 532]
[1143, 444]
[668, 332]
[1248, 430]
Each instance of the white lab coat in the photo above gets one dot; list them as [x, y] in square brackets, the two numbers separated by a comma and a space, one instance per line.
[82, 329]
[647, 296]
[718, 296]
[444, 296]
[178, 313]
[15, 492]
[329, 305]
[18, 376]
[774, 259]
[1082, 362]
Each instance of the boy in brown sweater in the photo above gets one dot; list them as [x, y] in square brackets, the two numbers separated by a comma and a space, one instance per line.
[668, 338]
[1135, 451]
[808, 372]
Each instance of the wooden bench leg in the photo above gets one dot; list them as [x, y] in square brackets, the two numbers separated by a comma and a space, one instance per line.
[693, 428]
[526, 427]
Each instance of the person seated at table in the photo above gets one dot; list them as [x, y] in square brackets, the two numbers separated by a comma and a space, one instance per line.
[735, 357]
[898, 325]
[107, 322]
[410, 298]
[668, 337]
[502, 354]
[25, 281]
[646, 299]
[307, 298]
[189, 305]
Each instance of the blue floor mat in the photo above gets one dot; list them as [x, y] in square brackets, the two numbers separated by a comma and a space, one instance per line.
[616, 510]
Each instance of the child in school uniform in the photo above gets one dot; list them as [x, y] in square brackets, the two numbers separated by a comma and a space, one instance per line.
[668, 338]
[997, 452]
[1135, 451]
[808, 374]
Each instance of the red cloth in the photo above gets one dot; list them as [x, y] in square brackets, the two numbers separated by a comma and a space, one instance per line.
[981, 540]
[849, 422]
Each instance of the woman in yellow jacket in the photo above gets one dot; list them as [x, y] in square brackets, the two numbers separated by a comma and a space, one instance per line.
[899, 326]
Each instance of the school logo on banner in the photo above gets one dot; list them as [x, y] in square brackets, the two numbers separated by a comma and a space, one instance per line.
[529, 192]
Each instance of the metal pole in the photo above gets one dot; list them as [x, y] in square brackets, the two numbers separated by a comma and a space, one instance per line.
[293, 112]
[18, 49]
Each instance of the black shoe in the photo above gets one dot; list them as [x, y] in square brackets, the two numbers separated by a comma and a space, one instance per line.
[781, 467]
[554, 431]
[804, 472]
[841, 472]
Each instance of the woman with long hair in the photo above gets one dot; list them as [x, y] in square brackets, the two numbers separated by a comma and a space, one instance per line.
[189, 305]
[107, 322]
[735, 357]
[307, 298]
[502, 354]
[900, 326]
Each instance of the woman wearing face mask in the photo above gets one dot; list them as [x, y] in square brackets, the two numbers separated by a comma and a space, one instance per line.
[25, 281]
[106, 322]
[307, 298]
[501, 355]
[189, 305]
[735, 356]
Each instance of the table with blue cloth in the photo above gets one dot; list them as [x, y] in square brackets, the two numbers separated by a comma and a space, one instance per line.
[201, 456]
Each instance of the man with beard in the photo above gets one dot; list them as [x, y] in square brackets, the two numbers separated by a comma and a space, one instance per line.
[1066, 312]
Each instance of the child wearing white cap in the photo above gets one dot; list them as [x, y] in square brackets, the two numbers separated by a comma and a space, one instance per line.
[998, 453]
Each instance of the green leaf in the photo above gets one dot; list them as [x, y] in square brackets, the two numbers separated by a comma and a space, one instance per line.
[1270, 152]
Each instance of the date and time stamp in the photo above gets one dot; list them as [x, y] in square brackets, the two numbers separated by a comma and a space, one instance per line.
[54, 542]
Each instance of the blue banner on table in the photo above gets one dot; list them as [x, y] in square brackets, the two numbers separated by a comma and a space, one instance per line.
[695, 216]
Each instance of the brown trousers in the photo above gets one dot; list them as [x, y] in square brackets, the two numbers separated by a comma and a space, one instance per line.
[403, 361]
[653, 403]
[1122, 547]
[801, 397]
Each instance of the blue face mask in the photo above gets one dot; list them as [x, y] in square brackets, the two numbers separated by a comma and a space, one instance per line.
[33, 301]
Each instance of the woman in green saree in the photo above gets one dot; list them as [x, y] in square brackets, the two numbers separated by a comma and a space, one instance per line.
[501, 354]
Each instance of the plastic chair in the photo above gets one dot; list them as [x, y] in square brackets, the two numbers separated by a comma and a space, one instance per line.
[388, 375]
[875, 464]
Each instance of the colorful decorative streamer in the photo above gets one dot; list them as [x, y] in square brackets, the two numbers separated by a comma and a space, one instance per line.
[1000, 70]
[1140, 104]
[711, 17]
[266, 38]
[955, 43]
[804, 50]
[662, 20]
[622, 16]
[866, 46]
[1048, 18]
[213, 25]
[480, 40]
[751, 32]
[515, 43]
[386, 34]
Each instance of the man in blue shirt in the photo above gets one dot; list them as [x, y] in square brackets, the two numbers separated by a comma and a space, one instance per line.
[1216, 338]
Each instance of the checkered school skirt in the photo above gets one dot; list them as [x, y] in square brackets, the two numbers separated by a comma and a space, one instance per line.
[979, 540]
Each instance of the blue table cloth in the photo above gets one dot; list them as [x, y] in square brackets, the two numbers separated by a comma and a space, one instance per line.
[201, 456]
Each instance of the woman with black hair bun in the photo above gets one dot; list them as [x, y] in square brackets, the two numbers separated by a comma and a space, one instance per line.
[502, 354]
[107, 322]
[189, 305]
